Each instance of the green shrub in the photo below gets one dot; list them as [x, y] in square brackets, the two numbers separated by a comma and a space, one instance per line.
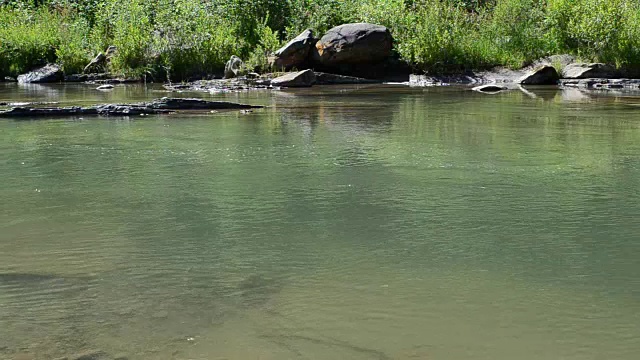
[189, 41]
[516, 29]
[74, 51]
[126, 24]
[27, 39]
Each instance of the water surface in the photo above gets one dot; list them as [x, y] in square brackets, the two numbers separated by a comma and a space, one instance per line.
[360, 222]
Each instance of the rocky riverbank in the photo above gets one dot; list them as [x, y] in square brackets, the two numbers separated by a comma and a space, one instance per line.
[357, 53]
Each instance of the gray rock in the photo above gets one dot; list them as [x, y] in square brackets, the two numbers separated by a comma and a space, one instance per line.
[105, 87]
[303, 78]
[196, 104]
[158, 106]
[233, 67]
[543, 75]
[97, 65]
[47, 74]
[333, 79]
[359, 43]
[585, 71]
[296, 52]
[490, 88]
[601, 84]
[10, 79]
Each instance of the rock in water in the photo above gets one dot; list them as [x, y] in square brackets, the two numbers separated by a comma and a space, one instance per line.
[303, 78]
[585, 71]
[359, 43]
[296, 52]
[105, 87]
[543, 75]
[233, 67]
[47, 74]
[490, 88]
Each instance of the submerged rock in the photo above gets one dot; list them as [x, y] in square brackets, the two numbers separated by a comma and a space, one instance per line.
[359, 43]
[542, 75]
[295, 53]
[90, 355]
[46, 74]
[585, 71]
[490, 88]
[303, 78]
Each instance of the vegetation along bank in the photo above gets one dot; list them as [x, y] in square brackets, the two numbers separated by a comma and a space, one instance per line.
[186, 39]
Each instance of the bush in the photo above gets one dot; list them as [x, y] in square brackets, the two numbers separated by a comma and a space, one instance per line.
[27, 39]
[604, 30]
[184, 38]
[189, 41]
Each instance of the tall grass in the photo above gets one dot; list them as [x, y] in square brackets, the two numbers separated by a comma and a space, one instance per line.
[184, 38]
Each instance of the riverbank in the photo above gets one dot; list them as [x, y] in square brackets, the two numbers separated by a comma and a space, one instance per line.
[179, 40]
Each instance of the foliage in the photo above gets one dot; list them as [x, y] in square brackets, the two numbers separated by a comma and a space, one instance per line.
[185, 38]
[27, 38]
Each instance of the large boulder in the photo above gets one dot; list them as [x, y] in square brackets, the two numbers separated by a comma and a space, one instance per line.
[296, 52]
[585, 71]
[303, 78]
[359, 43]
[233, 67]
[542, 75]
[47, 74]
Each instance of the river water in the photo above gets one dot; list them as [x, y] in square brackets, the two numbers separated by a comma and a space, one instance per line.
[371, 222]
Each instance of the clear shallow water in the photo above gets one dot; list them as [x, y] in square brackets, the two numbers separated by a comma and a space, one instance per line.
[338, 223]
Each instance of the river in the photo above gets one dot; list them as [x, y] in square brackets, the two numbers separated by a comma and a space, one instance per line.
[355, 222]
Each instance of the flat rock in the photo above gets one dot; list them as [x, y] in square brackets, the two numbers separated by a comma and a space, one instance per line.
[585, 71]
[86, 77]
[296, 52]
[358, 43]
[303, 78]
[334, 79]
[418, 80]
[159, 106]
[196, 104]
[601, 84]
[490, 88]
[105, 87]
[46, 74]
[542, 75]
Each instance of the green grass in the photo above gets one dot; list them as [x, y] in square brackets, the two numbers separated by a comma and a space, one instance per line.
[185, 38]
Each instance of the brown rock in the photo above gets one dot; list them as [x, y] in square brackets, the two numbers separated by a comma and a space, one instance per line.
[296, 52]
[303, 78]
[542, 75]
